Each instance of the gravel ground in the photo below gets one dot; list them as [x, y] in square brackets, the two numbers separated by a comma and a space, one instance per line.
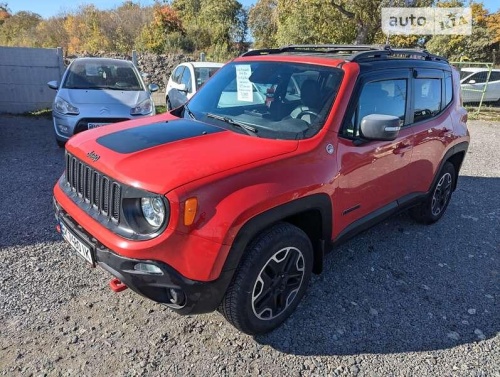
[399, 300]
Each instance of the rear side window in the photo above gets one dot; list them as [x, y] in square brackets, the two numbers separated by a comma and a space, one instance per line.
[495, 76]
[427, 98]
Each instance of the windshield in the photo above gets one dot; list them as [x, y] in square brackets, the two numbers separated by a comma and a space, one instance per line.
[102, 75]
[277, 100]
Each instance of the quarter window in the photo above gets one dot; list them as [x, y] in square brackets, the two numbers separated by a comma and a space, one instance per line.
[176, 77]
[448, 88]
[186, 79]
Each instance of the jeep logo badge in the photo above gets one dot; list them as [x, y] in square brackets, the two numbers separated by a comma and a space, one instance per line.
[93, 156]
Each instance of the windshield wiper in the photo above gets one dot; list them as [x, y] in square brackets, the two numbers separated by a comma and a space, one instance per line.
[252, 131]
[190, 113]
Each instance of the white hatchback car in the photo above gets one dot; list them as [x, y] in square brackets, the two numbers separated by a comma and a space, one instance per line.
[186, 80]
[473, 81]
[95, 92]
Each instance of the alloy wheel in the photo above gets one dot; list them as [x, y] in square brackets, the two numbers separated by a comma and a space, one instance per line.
[278, 283]
[441, 194]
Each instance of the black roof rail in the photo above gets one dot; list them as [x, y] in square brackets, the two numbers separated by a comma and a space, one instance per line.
[396, 53]
[356, 53]
[323, 48]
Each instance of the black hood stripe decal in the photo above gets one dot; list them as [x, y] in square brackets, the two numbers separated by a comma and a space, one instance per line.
[143, 137]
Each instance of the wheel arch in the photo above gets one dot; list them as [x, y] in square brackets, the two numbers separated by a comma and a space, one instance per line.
[312, 214]
[456, 156]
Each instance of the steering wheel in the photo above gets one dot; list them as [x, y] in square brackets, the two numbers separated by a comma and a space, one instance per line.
[307, 112]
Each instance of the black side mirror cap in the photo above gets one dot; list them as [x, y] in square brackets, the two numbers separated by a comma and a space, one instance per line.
[380, 127]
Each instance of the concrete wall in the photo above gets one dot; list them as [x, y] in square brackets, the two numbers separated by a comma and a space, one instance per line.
[24, 73]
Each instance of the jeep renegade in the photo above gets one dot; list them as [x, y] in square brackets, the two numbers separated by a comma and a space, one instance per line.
[231, 201]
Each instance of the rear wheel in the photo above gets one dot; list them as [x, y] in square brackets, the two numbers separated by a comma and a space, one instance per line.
[168, 104]
[434, 206]
[270, 281]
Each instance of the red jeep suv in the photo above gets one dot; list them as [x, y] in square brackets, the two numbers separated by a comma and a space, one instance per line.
[231, 201]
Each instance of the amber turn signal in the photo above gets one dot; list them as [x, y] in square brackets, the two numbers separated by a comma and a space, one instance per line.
[190, 207]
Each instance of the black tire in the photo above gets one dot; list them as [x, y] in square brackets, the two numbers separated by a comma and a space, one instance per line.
[168, 104]
[270, 280]
[434, 206]
[60, 144]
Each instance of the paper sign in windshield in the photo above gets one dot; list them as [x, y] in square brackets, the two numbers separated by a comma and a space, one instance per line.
[243, 84]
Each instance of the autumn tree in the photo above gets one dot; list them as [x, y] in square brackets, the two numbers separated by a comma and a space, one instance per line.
[477, 46]
[166, 27]
[263, 22]
[4, 12]
[20, 29]
[215, 26]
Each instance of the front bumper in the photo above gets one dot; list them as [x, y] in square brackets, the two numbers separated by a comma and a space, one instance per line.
[191, 296]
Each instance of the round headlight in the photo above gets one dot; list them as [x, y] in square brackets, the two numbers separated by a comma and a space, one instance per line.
[153, 210]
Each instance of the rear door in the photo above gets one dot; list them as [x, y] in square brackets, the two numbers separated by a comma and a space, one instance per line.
[431, 123]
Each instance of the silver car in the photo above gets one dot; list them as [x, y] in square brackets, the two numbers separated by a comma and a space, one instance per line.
[98, 91]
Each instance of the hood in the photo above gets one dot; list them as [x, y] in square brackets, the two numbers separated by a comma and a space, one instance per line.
[162, 156]
[103, 97]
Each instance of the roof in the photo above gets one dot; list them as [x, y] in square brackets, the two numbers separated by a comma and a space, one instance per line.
[478, 69]
[205, 64]
[354, 53]
[104, 61]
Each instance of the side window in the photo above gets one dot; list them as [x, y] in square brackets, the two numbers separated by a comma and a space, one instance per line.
[176, 77]
[448, 88]
[479, 77]
[379, 97]
[186, 79]
[495, 76]
[427, 98]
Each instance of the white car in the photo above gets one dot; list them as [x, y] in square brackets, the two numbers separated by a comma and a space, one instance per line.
[473, 81]
[186, 79]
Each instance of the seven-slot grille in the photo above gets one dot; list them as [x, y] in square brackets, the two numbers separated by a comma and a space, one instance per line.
[94, 188]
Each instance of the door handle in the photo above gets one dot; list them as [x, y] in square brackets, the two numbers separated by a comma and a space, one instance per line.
[402, 148]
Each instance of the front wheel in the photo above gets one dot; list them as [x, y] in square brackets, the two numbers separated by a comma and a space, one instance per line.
[434, 206]
[270, 281]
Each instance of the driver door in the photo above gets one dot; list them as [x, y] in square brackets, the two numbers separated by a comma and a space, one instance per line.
[374, 174]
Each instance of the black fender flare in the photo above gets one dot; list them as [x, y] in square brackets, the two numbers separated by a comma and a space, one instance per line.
[320, 202]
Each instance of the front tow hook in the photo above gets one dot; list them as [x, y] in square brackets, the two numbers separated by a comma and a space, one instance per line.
[116, 285]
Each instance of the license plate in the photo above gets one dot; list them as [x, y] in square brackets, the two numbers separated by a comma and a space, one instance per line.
[81, 248]
[96, 125]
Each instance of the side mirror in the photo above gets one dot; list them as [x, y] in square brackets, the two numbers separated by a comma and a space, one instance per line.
[380, 127]
[153, 88]
[471, 82]
[53, 85]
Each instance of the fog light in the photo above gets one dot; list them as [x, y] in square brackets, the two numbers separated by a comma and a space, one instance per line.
[63, 129]
[148, 268]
